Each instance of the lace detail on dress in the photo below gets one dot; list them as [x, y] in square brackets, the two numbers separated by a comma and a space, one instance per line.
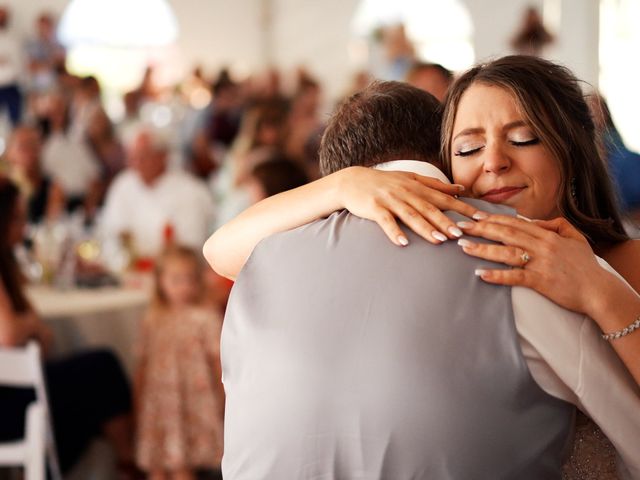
[593, 456]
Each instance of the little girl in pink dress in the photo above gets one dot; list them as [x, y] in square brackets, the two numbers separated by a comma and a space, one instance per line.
[179, 394]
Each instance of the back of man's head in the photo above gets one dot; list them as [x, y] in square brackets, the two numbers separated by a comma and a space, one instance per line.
[386, 121]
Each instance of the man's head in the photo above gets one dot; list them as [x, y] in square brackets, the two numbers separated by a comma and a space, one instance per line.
[148, 155]
[386, 121]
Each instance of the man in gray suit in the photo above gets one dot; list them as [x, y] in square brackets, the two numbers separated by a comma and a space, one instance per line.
[346, 357]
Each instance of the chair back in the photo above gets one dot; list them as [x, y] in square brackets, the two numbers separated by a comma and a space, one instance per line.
[22, 367]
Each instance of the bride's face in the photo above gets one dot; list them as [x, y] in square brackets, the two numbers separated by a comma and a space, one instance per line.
[498, 157]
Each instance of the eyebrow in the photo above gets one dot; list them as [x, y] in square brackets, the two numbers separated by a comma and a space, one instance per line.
[473, 131]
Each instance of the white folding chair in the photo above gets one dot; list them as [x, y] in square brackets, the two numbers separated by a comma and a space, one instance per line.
[21, 367]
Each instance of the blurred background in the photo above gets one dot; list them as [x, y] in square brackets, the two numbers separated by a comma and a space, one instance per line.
[335, 39]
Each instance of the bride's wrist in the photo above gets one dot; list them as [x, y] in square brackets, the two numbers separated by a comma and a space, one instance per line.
[615, 305]
[339, 189]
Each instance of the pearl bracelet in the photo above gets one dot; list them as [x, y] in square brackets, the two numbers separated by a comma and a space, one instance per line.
[625, 331]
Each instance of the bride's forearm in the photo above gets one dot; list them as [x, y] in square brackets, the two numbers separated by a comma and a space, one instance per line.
[229, 247]
[618, 308]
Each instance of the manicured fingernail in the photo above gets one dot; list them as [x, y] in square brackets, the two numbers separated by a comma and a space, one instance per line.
[439, 236]
[480, 216]
[456, 232]
[463, 242]
[465, 224]
[479, 272]
[402, 240]
[459, 187]
[522, 217]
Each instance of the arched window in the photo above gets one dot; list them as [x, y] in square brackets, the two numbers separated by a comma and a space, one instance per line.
[439, 30]
[116, 40]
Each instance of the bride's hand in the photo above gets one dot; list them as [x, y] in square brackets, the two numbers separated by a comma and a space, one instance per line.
[417, 201]
[551, 257]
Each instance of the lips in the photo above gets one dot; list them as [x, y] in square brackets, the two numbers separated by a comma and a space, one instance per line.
[501, 195]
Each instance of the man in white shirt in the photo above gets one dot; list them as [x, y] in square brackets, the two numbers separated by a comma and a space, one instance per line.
[147, 200]
[345, 357]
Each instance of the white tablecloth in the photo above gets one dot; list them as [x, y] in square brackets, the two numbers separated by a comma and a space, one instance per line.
[100, 317]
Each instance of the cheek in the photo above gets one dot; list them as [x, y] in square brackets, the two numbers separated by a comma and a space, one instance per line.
[463, 173]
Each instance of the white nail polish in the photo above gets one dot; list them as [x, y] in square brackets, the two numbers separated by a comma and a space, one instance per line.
[439, 236]
[455, 231]
[465, 224]
[480, 216]
[479, 272]
[463, 242]
[402, 240]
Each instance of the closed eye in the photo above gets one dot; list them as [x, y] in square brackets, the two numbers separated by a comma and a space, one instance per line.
[466, 153]
[533, 141]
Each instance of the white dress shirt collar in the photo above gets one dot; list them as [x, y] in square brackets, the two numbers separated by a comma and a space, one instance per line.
[414, 166]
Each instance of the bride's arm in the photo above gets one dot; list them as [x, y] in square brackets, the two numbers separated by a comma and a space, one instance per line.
[415, 200]
[563, 268]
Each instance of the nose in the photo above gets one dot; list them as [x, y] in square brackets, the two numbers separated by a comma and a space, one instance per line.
[495, 159]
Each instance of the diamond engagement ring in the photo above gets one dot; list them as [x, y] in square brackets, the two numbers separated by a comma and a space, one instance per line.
[525, 258]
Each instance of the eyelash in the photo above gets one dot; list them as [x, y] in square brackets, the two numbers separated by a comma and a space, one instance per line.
[466, 153]
[533, 141]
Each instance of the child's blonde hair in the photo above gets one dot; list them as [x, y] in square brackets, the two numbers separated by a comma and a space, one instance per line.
[176, 252]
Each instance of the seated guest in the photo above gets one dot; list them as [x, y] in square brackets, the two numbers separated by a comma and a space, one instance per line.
[107, 148]
[146, 199]
[45, 198]
[68, 160]
[45, 54]
[88, 392]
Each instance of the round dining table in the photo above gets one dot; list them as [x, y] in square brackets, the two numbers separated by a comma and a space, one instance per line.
[92, 317]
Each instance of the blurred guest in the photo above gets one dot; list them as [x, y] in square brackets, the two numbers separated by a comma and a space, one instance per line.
[131, 122]
[45, 198]
[304, 124]
[146, 198]
[68, 161]
[45, 55]
[359, 82]
[262, 133]
[202, 161]
[266, 89]
[430, 77]
[399, 52]
[275, 175]
[532, 37]
[85, 101]
[624, 165]
[10, 70]
[224, 121]
[88, 392]
[106, 146]
[179, 393]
